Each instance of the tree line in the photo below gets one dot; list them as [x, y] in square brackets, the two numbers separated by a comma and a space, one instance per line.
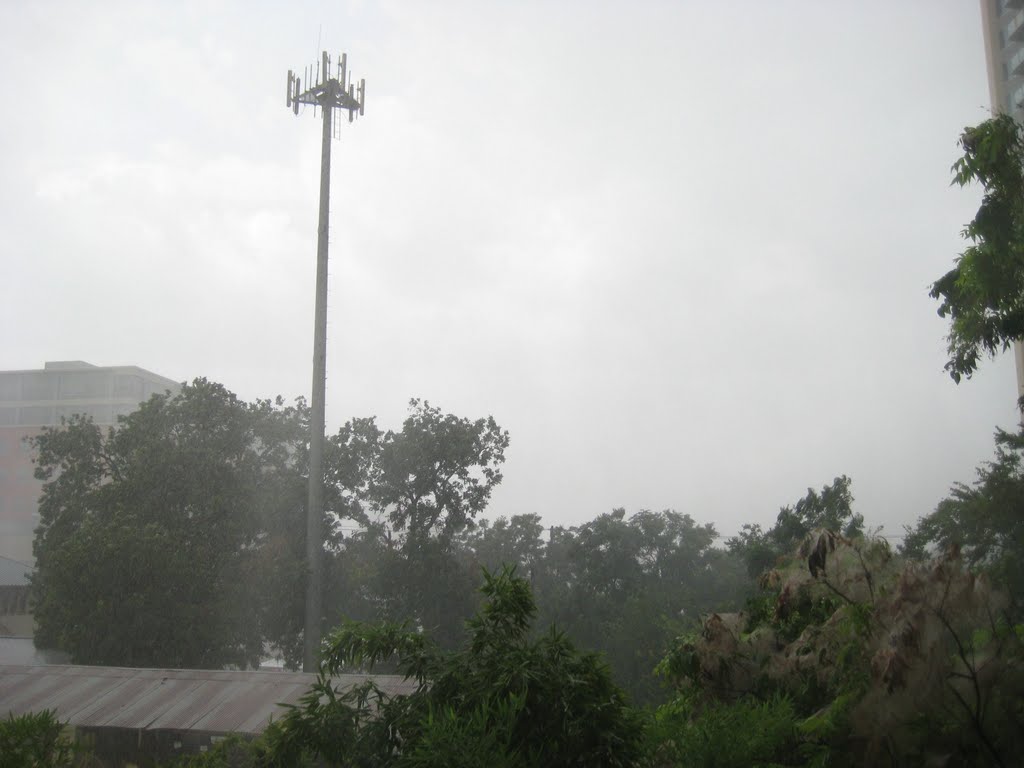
[177, 540]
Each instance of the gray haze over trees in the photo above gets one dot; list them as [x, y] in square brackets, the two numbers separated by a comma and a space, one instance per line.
[176, 540]
[703, 313]
[680, 251]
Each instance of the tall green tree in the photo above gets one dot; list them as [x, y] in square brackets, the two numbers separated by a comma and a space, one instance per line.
[419, 489]
[152, 535]
[984, 520]
[626, 586]
[514, 541]
[432, 478]
[983, 295]
[177, 539]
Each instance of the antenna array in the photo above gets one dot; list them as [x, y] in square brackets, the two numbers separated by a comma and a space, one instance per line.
[332, 87]
[332, 90]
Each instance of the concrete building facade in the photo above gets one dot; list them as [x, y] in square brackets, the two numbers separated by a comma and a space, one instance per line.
[1002, 24]
[33, 399]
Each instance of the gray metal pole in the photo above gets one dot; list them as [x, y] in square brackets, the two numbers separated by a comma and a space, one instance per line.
[315, 504]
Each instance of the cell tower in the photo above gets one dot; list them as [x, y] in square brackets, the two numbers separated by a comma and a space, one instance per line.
[332, 91]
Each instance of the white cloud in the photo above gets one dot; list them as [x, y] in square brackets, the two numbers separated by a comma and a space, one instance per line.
[680, 250]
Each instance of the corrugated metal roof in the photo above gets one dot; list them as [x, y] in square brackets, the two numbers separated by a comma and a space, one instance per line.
[214, 701]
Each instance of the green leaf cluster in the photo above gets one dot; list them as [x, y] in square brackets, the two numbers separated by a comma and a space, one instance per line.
[35, 740]
[983, 295]
[983, 520]
[153, 537]
[504, 699]
[880, 661]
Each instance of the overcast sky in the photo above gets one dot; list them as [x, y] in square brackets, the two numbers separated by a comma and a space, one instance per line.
[680, 250]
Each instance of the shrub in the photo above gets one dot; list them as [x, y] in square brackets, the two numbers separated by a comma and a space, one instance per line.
[34, 740]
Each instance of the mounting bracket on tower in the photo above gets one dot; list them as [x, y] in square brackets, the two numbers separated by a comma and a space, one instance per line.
[328, 92]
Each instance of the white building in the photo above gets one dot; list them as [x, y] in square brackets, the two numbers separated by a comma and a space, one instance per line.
[33, 399]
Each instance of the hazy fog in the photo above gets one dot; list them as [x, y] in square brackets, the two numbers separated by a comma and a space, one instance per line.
[680, 250]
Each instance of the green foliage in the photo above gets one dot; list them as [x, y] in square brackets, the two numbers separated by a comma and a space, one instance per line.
[983, 295]
[746, 734]
[883, 662]
[831, 509]
[178, 538]
[419, 490]
[35, 740]
[625, 586]
[455, 739]
[232, 752]
[513, 541]
[435, 475]
[503, 699]
[152, 535]
[984, 520]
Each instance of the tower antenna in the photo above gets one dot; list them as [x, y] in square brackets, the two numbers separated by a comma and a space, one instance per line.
[328, 94]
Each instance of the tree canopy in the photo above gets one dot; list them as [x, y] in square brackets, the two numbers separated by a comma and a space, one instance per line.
[504, 698]
[850, 657]
[177, 538]
[151, 534]
[984, 521]
[983, 295]
[831, 508]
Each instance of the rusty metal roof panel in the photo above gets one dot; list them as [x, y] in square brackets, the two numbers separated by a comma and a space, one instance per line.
[182, 713]
[68, 695]
[117, 698]
[254, 701]
[151, 702]
[34, 691]
[216, 701]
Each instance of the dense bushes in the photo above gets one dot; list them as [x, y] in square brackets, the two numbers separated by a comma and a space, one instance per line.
[35, 740]
[504, 699]
[851, 656]
[877, 662]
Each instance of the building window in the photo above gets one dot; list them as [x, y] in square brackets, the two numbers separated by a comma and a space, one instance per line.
[33, 415]
[128, 386]
[85, 385]
[10, 386]
[38, 386]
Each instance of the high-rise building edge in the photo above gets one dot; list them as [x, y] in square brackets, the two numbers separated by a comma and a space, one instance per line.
[1002, 24]
[33, 399]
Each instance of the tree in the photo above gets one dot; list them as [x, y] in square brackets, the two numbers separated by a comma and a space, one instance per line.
[852, 657]
[983, 295]
[178, 538]
[831, 509]
[419, 489]
[626, 586]
[504, 699]
[37, 740]
[152, 535]
[507, 541]
[436, 475]
[984, 521]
